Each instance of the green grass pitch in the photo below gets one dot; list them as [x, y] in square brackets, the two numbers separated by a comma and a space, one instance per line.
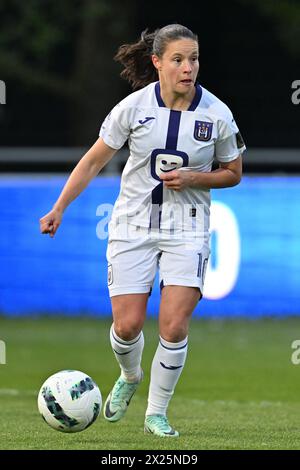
[239, 389]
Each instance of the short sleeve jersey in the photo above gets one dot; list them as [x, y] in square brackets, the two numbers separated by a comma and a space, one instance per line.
[161, 140]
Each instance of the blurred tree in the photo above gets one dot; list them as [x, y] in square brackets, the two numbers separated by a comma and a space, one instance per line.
[285, 15]
[248, 58]
[32, 35]
[57, 61]
[65, 49]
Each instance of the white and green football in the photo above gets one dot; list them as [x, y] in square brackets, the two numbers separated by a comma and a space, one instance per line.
[69, 401]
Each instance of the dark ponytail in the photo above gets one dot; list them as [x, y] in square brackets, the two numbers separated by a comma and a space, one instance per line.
[136, 59]
[139, 70]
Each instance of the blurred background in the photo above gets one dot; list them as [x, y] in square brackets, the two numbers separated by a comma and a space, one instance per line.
[59, 81]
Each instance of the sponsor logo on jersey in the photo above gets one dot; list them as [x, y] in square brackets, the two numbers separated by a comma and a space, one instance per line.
[165, 160]
[141, 121]
[203, 130]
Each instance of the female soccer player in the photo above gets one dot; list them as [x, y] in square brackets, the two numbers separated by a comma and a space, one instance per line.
[175, 128]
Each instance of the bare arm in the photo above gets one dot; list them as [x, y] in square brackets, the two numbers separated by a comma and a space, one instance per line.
[86, 169]
[228, 174]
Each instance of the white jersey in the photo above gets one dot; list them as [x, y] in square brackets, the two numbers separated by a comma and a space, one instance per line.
[161, 140]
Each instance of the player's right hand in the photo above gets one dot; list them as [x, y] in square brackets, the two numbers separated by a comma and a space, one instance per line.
[50, 222]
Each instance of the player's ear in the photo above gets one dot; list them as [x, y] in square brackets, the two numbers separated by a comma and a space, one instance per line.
[155, 61]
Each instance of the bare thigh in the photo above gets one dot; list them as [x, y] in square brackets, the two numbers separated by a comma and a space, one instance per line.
[176, 308]
[129, 313]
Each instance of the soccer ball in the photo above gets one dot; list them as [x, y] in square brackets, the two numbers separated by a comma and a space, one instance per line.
[69, 401]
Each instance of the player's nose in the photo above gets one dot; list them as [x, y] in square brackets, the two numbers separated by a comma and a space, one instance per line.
[187, 67]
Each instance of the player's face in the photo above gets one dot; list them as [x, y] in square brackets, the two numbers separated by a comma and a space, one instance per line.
[178, 67]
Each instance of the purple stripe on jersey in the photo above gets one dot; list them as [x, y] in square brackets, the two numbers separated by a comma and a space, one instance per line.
[171, 144]
[173, 129]
[156, 199]
[157, 193]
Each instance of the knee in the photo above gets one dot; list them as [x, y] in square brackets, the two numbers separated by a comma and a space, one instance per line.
[127, 329]
[129, 312]
[174, 331]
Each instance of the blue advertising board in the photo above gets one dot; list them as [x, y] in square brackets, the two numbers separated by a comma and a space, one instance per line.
[253, 271]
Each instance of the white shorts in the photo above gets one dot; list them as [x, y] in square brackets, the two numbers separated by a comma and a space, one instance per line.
[134, 259]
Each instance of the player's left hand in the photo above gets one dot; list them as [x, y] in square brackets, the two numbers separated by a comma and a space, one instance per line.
[176, 179]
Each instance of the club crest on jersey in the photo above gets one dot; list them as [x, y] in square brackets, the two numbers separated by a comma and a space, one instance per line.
[203, 130]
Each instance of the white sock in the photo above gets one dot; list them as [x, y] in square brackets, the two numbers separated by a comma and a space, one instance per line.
[166, 368]
[128, 355]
